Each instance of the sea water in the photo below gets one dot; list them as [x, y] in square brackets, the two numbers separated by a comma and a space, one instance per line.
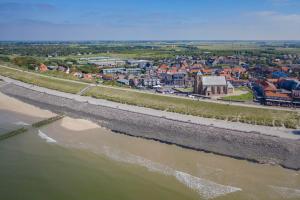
[61, 162]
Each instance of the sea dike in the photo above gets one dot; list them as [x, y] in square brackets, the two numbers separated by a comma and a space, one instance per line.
[242, 145]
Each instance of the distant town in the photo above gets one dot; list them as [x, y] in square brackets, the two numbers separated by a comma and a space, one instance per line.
[216, 77]
[264, 73]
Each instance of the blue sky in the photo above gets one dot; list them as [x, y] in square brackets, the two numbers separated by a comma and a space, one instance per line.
[150, 20]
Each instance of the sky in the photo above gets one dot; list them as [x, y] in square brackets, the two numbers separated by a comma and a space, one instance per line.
[150, 20]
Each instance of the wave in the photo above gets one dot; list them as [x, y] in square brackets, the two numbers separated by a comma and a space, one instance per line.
[205, 188]
[46, 137]
[21, 123]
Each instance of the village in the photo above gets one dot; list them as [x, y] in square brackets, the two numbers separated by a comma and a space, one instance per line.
[214, 77]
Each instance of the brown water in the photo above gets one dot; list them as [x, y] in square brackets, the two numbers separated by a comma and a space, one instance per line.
[75, 159]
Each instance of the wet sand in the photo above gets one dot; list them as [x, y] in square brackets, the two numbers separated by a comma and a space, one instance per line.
[15, 114]
[13, 105]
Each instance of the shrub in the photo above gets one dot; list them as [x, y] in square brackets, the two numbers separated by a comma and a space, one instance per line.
[277, 123]
[290, 124]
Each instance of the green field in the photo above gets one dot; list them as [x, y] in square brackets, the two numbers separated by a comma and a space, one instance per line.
[198, 108]
[60, 85]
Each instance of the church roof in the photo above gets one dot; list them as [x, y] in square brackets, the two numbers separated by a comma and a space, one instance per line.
[214, 80]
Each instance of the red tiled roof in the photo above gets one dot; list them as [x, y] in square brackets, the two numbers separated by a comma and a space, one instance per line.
[163, 66]
[268, 86]
[172, 71]
[276, 94]
[206, 70]
[238, 69]
[195, 70]
[274, 80]
[285, 69]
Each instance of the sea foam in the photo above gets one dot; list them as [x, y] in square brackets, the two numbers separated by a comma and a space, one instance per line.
[20, 123]
[205, 188]
[46, 137]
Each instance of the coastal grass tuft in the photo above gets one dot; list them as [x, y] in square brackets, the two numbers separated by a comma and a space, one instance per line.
[255, 116]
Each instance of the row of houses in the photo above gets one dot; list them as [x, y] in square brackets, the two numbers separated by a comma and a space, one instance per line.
[278, 92]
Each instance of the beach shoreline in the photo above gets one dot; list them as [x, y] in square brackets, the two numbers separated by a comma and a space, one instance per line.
[250, 146]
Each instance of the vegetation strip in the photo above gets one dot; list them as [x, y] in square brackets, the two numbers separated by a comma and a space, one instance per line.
[256, 116]
[47, 82]
[47, 121]
[232, 113]
[12, 133]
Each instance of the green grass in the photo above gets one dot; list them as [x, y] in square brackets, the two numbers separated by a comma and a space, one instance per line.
[185, 89]
[46, 82]
[243, 97]
[198, 108]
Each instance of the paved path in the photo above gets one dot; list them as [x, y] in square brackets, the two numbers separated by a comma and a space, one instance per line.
[81, 92]
[273, 131]
[126, 89]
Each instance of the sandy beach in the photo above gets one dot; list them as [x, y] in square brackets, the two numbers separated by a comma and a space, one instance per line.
[13, 105]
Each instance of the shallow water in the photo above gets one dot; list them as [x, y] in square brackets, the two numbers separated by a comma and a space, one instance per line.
[83, 161]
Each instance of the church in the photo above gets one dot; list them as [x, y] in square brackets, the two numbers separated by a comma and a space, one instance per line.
[212, 86]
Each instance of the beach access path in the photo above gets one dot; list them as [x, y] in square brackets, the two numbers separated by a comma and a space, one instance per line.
[271, 131]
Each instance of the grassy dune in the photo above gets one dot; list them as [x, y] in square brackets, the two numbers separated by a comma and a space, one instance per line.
[46, 82]
[197, 108]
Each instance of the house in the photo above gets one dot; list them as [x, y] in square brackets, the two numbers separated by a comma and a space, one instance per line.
[61, 68]
[123, 81]
[78, 74]
[87, 76]
[43, 68]
[134, 71]
[207, 71]
[278, 97]
[279, 74]
[150, 81]
[178, 79]
[108, 77]
[162, 69]
[289, 84]
[52, 67]
[113, 70]
[211, 85]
